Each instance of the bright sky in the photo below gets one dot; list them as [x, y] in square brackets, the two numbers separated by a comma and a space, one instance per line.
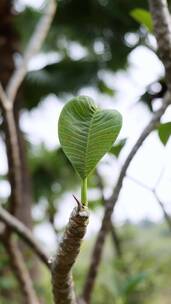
[135, 202]
[35, 4]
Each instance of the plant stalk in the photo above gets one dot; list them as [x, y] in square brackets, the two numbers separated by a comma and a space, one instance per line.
[84, 192]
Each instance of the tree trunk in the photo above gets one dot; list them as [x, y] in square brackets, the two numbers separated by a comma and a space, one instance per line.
[8, 47]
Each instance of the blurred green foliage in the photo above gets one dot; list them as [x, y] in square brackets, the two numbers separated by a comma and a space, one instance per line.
[97, 31]
[143, 17]
[51, 171]
[145, 280]
[141, 276]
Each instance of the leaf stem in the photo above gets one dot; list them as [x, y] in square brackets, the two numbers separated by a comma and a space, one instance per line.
[84, 192]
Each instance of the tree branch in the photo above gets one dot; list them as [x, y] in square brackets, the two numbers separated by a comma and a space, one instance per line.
[67, 253]
[162, 29]
[7, 100]
[154, 192]
[33, 47]
[14, 162]
[4, 101]
[139, 183]
[105, 227]
[116, 241]
[166, 215]
[21, 272]
[22, 231]
[114, 236]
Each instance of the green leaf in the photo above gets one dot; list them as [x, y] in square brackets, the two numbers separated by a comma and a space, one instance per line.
[103, 88]
[164, 132]
[116, 149]
[86, 133]
[143, 17]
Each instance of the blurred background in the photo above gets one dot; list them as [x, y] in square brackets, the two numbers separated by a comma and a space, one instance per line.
[104, 49]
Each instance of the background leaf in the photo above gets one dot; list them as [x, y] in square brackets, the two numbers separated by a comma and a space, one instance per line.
[164, 132]
[116, 149]
[142, 16]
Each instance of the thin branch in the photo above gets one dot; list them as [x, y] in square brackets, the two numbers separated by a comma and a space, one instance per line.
[162, 29]
[160, 175]
[116, 241]
[139, 183]
[22, 231]
[21, 272]
[166, 215]
[154, 192]
[4, 101]
[14, 161]
[105, 227]
[32, 49]
[113, 231]
[68, 250]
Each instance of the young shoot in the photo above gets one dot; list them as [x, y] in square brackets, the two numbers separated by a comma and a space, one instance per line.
[86, 133]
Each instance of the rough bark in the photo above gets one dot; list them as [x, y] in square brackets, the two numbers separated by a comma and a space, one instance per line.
[162, 29]
[68, 250]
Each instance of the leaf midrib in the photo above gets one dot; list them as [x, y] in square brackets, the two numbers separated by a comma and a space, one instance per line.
[88, 138]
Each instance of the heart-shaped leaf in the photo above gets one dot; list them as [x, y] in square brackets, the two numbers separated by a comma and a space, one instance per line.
[86, 133]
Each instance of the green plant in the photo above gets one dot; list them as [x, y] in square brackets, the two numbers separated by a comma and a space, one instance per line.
[143, 17]
[86, 133]
[164, 132]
